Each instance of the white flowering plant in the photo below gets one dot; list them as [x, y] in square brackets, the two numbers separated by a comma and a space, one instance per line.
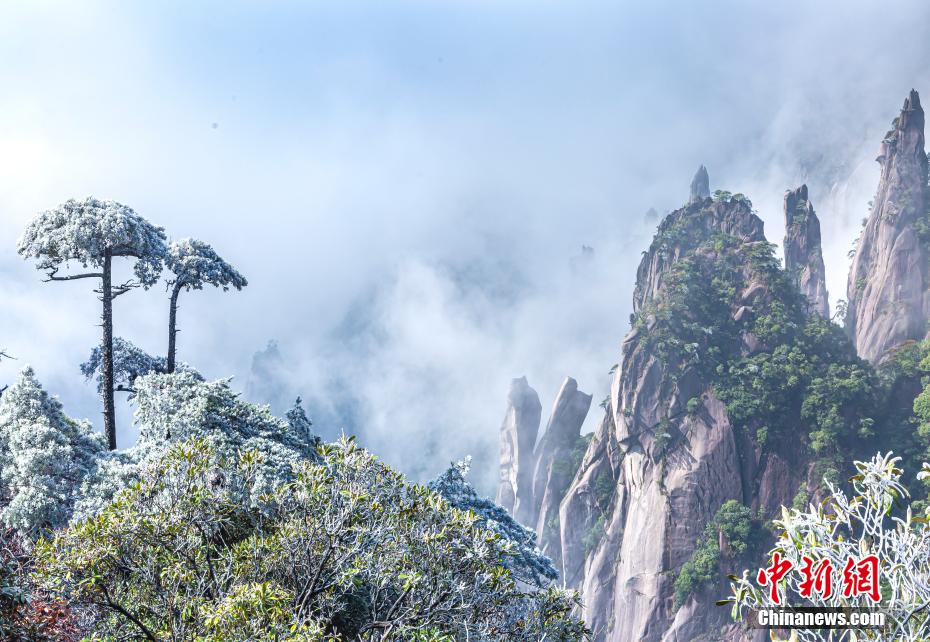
[875, 519]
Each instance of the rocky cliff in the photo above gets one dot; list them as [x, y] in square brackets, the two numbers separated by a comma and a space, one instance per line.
[533, 478]
[667, 456]
[518, 439]
[887, 291]
[803, 253]
[735, 395]
[724, 379]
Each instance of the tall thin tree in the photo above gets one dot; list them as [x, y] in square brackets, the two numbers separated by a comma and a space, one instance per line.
[194, 264]
[92, 233]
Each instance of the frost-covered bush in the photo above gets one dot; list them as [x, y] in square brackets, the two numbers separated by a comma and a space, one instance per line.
[348, 550]
[129, 363]
[874, 520]
[174, 407]
[45, 457]
[113, 471]
[300, 423]
[181, 405]
[525, 559]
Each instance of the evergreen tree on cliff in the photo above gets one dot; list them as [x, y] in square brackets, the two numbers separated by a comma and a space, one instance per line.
[195, 264]
[92, 233]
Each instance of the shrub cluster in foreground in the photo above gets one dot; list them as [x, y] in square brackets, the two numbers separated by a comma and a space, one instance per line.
[226, 523]
[345, 550]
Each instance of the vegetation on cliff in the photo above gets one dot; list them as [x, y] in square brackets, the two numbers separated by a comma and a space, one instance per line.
[730, 313]
[790, 380]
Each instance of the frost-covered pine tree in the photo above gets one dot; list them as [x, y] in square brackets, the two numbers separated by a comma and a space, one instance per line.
[300, 423]
[44, 458]
[526, 561]
[129, 362]
[194, 264]
[92, 233]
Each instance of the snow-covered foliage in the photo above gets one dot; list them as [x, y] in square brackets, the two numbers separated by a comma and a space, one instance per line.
[45, 457]
[847, 527]
[53, 469]
[114, 470]
[300, 423]
[195, 264]
[83, 231]
[348, 550]
[129, 362]
[181, 405]
[525, 559]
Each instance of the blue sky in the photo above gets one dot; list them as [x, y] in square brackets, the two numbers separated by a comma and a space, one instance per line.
[407, 186]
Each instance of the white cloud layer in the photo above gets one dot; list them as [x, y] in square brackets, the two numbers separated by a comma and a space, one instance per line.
[406, 185]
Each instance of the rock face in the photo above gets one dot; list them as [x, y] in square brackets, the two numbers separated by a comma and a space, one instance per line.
[534, 478]
[887, 291]
[691, 229]
[803, 254]
[700, 186]
[518, 438]
[687, 423]
[553, 473]
[665, 457]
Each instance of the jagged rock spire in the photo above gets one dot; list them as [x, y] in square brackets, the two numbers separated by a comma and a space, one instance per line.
[666, 455]
[533, 478]
[887, 291]
[700, 186]
[553, 476]
[518, 438]
[803, 253]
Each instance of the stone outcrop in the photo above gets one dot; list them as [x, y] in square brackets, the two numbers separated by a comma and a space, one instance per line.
[665, 457]
[518, 439]
[534, 477]
[680, 435]
[553, 473]
[690, 230]
[803, 253]
[887, 291]
[700, 186]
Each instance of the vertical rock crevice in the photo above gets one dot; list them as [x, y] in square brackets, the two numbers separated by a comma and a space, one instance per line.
[534, 477]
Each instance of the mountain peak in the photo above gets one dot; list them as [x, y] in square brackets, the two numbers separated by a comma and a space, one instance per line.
[803, 252]
[888, 291]
[700, 186]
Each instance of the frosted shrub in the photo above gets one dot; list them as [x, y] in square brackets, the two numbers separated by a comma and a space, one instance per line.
[844, 527]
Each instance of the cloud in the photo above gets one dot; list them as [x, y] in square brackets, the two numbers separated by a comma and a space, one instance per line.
[406, 187]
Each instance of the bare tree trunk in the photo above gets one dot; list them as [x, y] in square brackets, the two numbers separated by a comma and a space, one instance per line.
[173, 326]
[109, 409]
